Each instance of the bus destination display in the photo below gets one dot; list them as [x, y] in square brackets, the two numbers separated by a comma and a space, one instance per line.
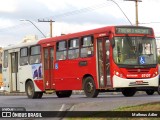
[127, 30]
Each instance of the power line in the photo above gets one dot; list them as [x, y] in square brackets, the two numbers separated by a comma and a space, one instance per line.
[34, 26]
[150, 23]
[87, 9]
[66, 14]
[121, 10]
[78, 11]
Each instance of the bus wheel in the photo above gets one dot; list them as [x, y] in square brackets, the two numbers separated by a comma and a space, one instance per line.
[30, 90]
[90, 88]
[158, 90]
[62, 94]
[150, 92]
[129, 92]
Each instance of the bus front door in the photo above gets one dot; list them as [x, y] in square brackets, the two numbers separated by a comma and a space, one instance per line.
[48, 68]
[103, 62]
[14, 72]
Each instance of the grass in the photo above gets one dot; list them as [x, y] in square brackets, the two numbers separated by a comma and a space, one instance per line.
[144, 107]
[150, 107]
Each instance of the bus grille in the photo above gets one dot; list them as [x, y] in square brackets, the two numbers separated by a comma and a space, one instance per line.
[140, 71]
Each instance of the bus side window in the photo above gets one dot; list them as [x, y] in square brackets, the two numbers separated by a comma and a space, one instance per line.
[87, 46]
[5, 59]
[24, 56]
[61, 50]
[35, 56]
[73, 46]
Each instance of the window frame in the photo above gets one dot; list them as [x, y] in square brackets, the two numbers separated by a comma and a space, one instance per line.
[92, 39]
[57, 49]
[71, 40]
[4, 60]
[31, 50]
[27, 57]
[27, 52]
[74, 48]
[34, 54]
[64, 50]
[88, 46]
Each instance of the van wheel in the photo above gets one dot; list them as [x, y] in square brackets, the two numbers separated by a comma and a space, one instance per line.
[90, 88]
[30, 90]
[62, 94]
[129, 92]
[150, 92]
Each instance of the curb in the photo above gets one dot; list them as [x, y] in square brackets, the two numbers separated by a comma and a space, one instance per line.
[11, 94]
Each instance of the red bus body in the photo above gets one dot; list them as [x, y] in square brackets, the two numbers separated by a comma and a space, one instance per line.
[70, 75]
[107, 66]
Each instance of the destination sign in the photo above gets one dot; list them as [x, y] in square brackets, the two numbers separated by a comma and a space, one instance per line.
[131, 30]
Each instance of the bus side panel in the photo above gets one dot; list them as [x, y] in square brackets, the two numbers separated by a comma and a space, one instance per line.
[24, 74]
[66, 76]
[69, 73]
[37, 76]
[27, 73]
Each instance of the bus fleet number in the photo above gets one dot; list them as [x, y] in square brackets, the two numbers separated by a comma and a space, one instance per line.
[146, 75]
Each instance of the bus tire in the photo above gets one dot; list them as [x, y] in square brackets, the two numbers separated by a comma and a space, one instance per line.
[150, 92]
[30, 90]
[158, 90]
[129, 92]
[62, 94]
[90, 88]
[39, 94]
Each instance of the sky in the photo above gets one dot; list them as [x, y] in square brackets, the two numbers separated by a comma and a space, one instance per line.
[70, 16]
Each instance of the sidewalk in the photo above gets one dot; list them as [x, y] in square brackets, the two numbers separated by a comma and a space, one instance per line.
[3, 93]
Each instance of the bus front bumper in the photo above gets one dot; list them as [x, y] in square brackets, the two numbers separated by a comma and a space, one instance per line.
[123, 83]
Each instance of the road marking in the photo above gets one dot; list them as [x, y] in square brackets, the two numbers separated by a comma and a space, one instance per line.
[72, 108]
[61, 109]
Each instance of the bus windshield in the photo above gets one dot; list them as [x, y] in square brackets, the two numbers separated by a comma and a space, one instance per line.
[134, 51]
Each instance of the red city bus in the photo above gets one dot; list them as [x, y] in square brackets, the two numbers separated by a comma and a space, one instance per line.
[113, 58]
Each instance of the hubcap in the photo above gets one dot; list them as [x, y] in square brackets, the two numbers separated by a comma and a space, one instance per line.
[30, 90]
[89, 87]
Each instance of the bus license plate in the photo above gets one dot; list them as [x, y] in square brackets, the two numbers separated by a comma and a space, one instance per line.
[139, 82]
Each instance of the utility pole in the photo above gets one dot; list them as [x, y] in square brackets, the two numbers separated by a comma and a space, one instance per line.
[50, 21]
[136, 3]
[136, 6]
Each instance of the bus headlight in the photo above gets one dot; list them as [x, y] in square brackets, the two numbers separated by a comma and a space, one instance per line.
[118, 74]
[154, 74]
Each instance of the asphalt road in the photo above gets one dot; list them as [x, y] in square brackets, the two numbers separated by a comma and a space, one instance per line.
[104, 102]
